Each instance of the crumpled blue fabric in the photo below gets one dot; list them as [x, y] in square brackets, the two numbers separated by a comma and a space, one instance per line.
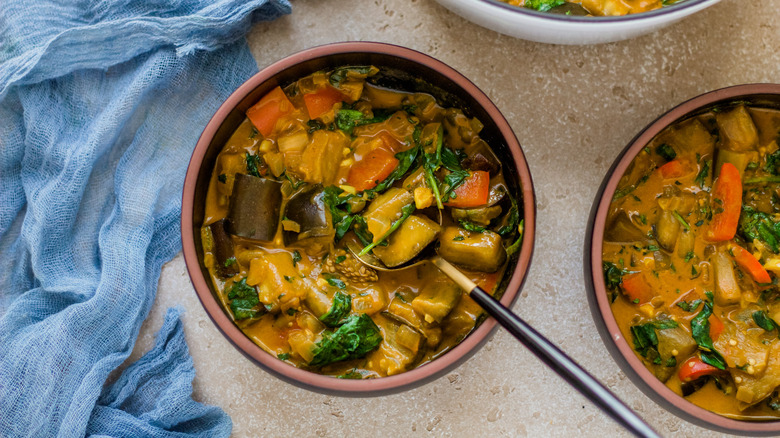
[101, 104]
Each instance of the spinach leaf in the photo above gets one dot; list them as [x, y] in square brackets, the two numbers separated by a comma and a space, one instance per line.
[703, 173]
[773, 163]
[613, 276]
[471, 226]
[348, 119]
[512, 219]
[243, 300]
[342, 304]
[335, 281]
[754, 224]
[689, 307]
[514, 247]
[451, 182]
[764, 321]
[666, 151]
[340, 211]
[352, 340]
[405, 161]
[360, 227]
[543, 5]
[451, 159]
[253, 164]
[646, 338]
[340, 74]
[406, 211]
[431, 163]
[700, 329]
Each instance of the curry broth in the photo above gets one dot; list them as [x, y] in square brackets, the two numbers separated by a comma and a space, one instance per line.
[301, 277]
[666, 261]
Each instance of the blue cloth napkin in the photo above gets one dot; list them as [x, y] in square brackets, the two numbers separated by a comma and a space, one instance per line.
[101, 103]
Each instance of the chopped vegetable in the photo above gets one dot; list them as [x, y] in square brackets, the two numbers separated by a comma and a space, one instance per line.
[637, 288]
[373, 168]
[700, 328]
[244, 301]
[727, 204]
[268, 110]
[352, 340]
[695, 368]
[342, 304]
[750, 264]
[473, 192]
[322, 101]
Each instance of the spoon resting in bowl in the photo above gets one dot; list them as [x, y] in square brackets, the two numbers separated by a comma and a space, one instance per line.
[540, 346]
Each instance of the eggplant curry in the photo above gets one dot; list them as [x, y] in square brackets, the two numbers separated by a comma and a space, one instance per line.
[600, 8]
[333, 159]
[692, 260]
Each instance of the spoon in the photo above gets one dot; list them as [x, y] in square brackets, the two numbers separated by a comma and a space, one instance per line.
[540, 346]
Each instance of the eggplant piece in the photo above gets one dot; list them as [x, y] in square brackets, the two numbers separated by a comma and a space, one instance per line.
[437, 299]
[222, 248]
[307, 209]
[386, 209]
[668, 229]
[479, 215]
[689, 388]
[402, 311]
[622, 229]
[727, 290]
[737, 129]
[254, 207]
[482, 157]
[392, 357]
[414, 234]
[498, 190]
[476, 251]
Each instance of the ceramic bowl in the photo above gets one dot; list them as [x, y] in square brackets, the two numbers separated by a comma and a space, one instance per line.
[545, 27]
[762, 95]
[406, 68]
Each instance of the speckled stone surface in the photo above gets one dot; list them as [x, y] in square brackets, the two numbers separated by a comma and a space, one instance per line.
[573, 109]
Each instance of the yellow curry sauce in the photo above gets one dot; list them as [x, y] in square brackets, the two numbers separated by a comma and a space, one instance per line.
[332, 159]
[692, 257]
[596, 7]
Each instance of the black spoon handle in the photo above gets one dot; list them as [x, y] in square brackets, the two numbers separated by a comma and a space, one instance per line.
[563, 365]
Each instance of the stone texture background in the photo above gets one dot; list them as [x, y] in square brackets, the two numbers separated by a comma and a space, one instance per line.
[573, 109]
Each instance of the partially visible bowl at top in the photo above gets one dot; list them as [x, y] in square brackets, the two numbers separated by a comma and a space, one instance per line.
[401, 69]
[553, 28]
[683, 305]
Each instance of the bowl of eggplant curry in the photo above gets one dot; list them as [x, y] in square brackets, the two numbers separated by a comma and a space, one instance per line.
[684, 259]
[330, 150]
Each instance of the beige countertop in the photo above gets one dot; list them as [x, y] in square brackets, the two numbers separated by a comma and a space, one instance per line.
[573, 110]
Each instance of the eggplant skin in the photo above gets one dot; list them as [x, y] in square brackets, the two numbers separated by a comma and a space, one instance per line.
[254, 207]
[222, 248]
[307, 208]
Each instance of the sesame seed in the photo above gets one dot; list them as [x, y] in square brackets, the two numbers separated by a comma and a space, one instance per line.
[732, 342]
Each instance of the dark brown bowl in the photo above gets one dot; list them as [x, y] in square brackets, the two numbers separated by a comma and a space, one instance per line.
[762, 95]
[407, 69]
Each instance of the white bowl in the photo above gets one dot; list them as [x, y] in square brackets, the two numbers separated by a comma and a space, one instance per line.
[545, 27]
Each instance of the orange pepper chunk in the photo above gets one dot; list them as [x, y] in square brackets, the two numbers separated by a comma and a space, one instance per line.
[265, 113]
[473, 192]
[322, 101]
[372, 169]
[726, 204]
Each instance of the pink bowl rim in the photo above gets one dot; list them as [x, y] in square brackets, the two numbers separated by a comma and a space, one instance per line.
[699, 415]
[307, 379]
